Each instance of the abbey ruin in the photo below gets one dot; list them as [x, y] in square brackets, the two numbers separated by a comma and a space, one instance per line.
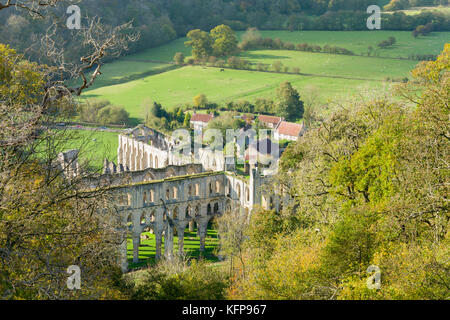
[155, 188]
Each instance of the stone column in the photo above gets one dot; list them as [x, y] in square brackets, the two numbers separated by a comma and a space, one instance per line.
[123, 262]
[158, 239]
[191, 225]
[168, 242]
[202, 227]
[136, 241]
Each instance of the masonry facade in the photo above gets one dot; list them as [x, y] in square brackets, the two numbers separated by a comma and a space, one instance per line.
[154, 189]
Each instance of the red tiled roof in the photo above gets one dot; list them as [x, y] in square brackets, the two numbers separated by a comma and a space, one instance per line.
[269, 119]
[290, 129]
[202, 117]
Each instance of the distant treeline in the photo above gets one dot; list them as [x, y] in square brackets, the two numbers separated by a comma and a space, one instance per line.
[257, 42]
[160, 21]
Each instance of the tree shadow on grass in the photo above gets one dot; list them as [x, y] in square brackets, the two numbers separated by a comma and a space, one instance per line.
[147, 249]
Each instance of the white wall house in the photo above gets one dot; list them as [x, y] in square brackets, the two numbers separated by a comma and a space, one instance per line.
[289, 131]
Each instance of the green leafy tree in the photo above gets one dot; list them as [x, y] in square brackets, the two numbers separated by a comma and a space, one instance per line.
[277, 66]
[179, 58]
[201, 43]
[200, 101]
[225, 40]
[289, 104]
[187, 120]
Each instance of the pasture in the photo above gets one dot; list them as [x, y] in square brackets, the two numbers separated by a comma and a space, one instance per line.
[356, 41]
[181, 85]
[359, 41]
[148, 76]
[334, 65]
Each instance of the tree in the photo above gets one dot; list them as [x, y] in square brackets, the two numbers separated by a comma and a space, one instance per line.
[201, 43]
[113, 115]
[200, 101]
[277, 66]
[49, 220]
[187, 120]
[179, 58]
[232, 227]
[289, 104]
[225, 40]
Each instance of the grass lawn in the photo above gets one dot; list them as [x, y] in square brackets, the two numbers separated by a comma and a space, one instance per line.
[181, 85]
[358, 41]
[94, 146]
[147, 249]
[122, 70]
[335, 65]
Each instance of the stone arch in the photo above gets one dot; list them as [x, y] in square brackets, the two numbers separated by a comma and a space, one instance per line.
[149, 176]
[191, 170]
[247, 194]
[196, 210]
[218, 186]
[151, 161]
[167, 194]
[209, 209]
[144, 199]
[129, 199]
[156, 162]
[175, 213]
[152, 196]
[142, 219]
[190, 190]
[197, 190]
[175, 192]
[170, 173]
[216, 207]
[211, 189]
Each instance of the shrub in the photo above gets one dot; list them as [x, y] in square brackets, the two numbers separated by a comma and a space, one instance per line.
[113, 115]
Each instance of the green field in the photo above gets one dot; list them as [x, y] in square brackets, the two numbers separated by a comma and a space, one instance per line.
[334, 65]
[147, 249]
[122, 71]
[357, 41]
[180, 86]
[94, 146]
[150, 76]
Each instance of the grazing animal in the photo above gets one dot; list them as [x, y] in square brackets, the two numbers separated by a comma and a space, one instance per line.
[222, 70]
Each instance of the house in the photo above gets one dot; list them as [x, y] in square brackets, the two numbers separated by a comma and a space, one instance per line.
[200, 121]
[289, 131]
[270, 121]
